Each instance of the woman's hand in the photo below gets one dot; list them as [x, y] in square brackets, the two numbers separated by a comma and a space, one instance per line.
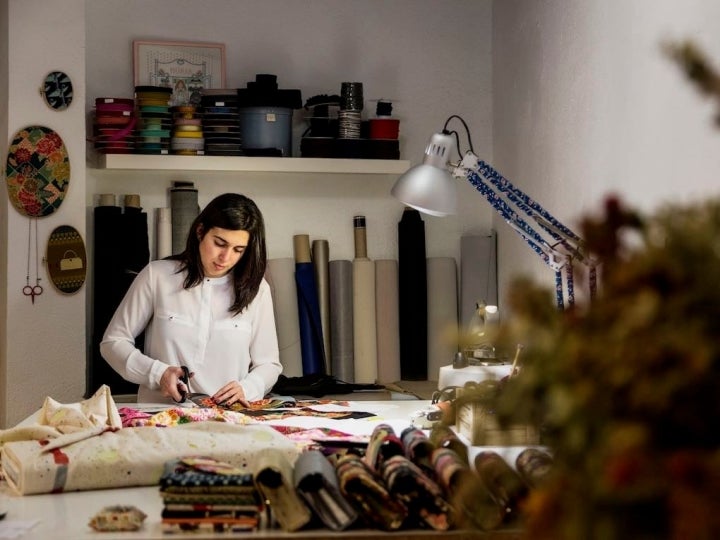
[171, 385]
[231, 393]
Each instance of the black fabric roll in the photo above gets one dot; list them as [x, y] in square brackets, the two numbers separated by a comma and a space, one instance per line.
[120, 250]
[412, 294]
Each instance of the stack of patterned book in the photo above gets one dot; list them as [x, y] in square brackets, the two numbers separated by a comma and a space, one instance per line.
[206, 495]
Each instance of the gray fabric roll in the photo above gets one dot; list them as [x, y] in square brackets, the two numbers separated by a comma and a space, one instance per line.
[320, 259]
[184, 209]
[341, 320]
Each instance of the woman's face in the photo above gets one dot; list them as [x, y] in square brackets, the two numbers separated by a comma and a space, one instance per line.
[221, 249]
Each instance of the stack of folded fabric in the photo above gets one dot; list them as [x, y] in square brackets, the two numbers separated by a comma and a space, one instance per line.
[206, 495]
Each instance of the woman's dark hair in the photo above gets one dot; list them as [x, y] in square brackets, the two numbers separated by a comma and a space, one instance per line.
[233, 212]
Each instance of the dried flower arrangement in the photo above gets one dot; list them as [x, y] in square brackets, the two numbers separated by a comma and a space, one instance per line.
[626, 389]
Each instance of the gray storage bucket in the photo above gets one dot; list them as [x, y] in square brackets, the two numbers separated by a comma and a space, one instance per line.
[267, 128]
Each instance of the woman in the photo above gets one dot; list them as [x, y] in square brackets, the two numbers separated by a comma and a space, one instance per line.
[208, 308]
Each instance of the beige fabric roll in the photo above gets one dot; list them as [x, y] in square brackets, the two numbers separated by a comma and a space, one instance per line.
[134, 456]
[388, 321]
[364, 325]
[280, 274]
[163, 233]
[442, 302]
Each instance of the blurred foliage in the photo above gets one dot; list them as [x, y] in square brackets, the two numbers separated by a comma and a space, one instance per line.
[626, 389]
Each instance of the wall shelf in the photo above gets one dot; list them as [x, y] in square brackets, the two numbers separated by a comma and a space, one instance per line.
[149, 162]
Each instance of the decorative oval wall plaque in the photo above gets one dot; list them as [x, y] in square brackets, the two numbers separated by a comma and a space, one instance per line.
[37, 171]
[66, 259]
[57, 90]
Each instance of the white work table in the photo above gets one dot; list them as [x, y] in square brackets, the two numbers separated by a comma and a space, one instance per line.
[66, 515]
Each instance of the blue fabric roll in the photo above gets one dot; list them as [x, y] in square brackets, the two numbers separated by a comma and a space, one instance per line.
[311, 336]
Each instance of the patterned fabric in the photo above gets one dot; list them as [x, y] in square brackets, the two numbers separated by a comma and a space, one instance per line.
[176, 416]
[367, 491]
[420, 494]
[38, 171]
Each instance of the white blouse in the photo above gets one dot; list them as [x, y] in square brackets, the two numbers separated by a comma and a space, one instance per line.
[193, 328]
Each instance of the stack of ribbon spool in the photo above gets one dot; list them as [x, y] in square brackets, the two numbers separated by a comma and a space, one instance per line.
[221, 122]
[187, 135]
[113, 125]
[154, 119]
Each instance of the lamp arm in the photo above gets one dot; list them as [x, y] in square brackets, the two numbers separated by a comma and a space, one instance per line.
[482, 176]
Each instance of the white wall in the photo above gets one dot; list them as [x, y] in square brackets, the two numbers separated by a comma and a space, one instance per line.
[431, 58]
[586, 104]
[43, 346]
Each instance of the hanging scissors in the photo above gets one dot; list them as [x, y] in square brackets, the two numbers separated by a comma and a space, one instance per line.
[33, 291]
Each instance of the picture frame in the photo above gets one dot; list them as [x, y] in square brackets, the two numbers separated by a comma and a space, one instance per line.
[187, 67]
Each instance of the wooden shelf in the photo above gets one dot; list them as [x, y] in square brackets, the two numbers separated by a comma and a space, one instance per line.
[150, 162]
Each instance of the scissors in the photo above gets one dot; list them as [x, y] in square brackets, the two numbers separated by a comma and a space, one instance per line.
[32, 291]
[185, 379]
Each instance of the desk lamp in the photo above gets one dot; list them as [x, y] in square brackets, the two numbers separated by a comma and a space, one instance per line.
[430, 188]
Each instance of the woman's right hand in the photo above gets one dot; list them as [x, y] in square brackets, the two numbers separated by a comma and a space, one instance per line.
[171, 385]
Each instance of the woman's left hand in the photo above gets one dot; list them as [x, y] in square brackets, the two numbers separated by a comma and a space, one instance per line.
[231, 393]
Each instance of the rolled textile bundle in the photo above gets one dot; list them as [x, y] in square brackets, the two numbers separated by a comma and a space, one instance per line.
[274, 480]
[420, 494]
[320, 260]
[364, 322]
[502, 481]
[366, 490]
[442, 313]
[132, 456]
[474, 506]
[418, 449]
[341, 321]
[163, 233]
[184, 209]
[412, 292]
[387, 320]
[280, 275]
[534, 466]
[311, 339]
[383, 444]
[316, 480]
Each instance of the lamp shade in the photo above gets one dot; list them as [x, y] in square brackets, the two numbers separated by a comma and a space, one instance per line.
[430, 188]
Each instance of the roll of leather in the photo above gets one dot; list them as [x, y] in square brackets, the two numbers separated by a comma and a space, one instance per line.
[412, 294]
[478, 274]
[442, 305]
[364, 321]
[341, 320]
[163, 233]
[185, 208]
[311, 340]
[320, 259]
[387, 320]
[280, 275]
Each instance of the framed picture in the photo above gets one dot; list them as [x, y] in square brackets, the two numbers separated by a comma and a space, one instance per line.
[186, 67]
